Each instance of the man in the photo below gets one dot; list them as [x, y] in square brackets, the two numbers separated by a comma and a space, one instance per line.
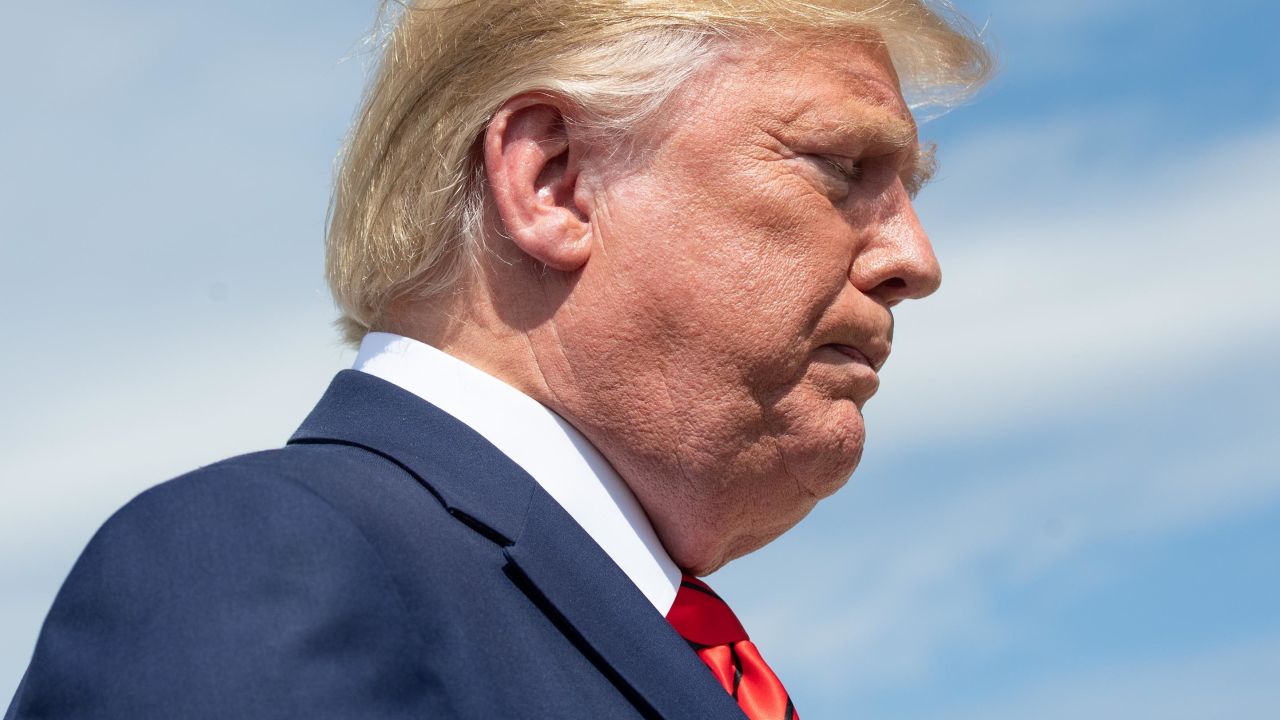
[622, 275]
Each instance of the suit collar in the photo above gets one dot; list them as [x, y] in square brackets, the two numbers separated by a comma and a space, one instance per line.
[473, 481]
[551, 557]
[547, 447]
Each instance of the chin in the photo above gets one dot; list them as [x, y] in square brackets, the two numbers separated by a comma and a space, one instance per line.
[828, 463]
[703, 565]
[706, 547]
[825, 486]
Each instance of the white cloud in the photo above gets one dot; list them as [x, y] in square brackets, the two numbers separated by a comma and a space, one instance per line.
[1089, 279]
[174, 402]
[1096, 311]
[70, 54]
[1234, 681]
[1164, 269]
[1020, 15]
[157, 153]
[1052, 39]
[889, 592]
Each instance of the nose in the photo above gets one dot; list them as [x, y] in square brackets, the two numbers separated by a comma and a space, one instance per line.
[897, 262]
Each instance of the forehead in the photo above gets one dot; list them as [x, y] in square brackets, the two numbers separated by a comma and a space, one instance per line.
[841, 87]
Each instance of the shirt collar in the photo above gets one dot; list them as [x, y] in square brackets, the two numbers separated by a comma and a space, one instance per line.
[541, 442]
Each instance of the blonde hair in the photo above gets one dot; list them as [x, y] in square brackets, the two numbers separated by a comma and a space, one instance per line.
[409, 196]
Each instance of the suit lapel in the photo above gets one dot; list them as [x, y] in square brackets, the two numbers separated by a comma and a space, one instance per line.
[606, 613]
[550, 556]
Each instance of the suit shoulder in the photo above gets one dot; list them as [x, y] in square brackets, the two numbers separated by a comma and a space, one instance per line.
[246, 519]
[267, 473]
[239, 574]
[288, 486]
[221, 529]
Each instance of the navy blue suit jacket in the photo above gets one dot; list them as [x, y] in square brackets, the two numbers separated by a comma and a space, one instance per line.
[387, 563]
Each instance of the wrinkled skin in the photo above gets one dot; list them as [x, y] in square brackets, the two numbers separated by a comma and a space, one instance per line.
[710, 310]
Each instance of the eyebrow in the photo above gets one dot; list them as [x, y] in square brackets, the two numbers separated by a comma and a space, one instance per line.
[922, 168]
[899, 134]
[892, 131]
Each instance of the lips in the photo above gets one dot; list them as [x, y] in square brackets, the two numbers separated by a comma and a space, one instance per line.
[854, 353]
[874, 359]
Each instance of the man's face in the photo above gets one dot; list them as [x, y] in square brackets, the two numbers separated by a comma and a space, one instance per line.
[728, 328]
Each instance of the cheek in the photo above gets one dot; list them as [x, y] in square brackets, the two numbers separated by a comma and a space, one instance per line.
[743, 245]
[751, 280]
[705, 310]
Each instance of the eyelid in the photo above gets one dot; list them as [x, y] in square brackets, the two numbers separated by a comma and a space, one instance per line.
[837, 163]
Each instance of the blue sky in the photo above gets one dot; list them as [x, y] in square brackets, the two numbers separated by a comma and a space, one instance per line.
[1068, 506]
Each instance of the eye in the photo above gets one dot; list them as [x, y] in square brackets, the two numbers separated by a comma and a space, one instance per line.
[847, 168]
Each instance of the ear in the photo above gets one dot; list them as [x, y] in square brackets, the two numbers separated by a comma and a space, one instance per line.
[532, 165]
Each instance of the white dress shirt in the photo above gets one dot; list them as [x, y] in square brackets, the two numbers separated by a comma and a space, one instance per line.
[541, 442]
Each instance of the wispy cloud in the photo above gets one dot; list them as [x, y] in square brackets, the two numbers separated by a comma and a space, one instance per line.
[1233, 681]
[1089, 318]
[191, 399]
[1083, 273]
[1133, 280]
[889, 593]
[1017, 15]
[83, 447]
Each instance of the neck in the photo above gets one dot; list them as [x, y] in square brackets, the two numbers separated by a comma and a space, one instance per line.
[484, 331]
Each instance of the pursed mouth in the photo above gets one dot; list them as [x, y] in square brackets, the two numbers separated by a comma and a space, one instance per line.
[857, 355]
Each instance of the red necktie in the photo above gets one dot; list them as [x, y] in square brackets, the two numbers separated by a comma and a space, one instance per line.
[711, 628]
